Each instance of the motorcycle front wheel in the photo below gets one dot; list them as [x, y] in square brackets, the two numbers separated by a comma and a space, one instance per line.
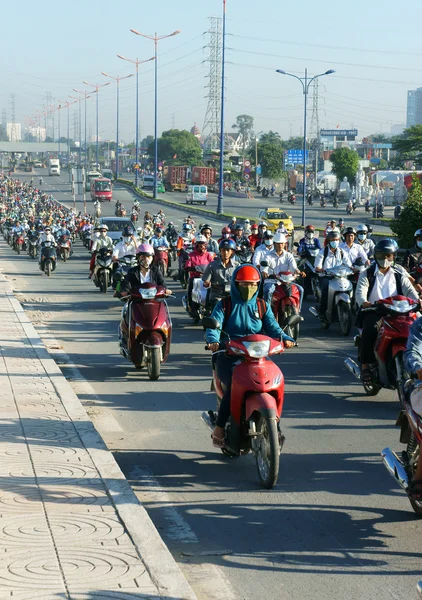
[48, 268]
[344, 317]
[268, 455]
[153, 363]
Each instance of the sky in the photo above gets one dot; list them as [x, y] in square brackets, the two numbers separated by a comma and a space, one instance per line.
[374, 48]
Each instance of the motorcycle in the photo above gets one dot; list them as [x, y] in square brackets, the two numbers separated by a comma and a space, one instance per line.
[397, 315]
[349, 208]
[403, 465]
[120, 211]
[161, 259]
[285, 302]
[33, 246]
[367, 207]
[19, 243]
[183, 257]
[256, 402]
[335, 202]
[339, 299]
[48, 261]
[146, 336]
[98, 210]
[281, 197]
[310, 200]
[292, 199]
[103, 269]
[199, 296]
[64, 247]
[322, 202]
[125, 263]
[306, 264]
[265, 193]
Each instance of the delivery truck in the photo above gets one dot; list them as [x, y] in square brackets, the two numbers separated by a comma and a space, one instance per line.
[175, 179]
[53, 166]
[203, 176]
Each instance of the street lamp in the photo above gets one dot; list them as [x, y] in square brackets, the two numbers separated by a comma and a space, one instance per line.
[220, 201]
[305, 86]
[117, 80]
[97, 87]
[137, 63]
[67, 104]
[86, 96]
[80, 129]
[156, 38]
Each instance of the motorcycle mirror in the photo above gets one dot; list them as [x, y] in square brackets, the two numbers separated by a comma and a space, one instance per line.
[210, 323]
[263, 263]
[293, 320]
[296, 244]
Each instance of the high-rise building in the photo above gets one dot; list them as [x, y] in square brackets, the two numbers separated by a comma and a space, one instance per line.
[14, 132]
[38, 133]
[414, 107]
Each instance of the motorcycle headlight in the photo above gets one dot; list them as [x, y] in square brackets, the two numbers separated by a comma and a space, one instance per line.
[258, 349]
[148, 293]
[402, 306]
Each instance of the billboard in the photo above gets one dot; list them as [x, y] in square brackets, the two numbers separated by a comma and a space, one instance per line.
[294, 157]
[338, 132]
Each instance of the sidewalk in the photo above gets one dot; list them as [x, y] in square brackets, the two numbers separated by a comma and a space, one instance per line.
[70, 525]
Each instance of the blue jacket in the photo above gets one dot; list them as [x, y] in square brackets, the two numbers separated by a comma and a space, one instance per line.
[413, 353]
[244, 318]
[304, 244]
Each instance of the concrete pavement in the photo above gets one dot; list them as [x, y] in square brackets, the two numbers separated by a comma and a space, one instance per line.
[70, 526]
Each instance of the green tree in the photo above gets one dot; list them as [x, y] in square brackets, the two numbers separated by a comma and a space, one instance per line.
[271, 159]
[272, 137]
[379, 138]
[293, 143]
[178, 147]
[410, 140]
[410, 217]
[345, 164]
[244, 125]
[147, 141]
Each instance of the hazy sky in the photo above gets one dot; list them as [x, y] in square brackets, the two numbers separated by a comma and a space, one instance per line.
[374, 47]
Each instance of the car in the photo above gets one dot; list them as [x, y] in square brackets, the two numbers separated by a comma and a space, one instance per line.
[115, 226]
[197, 194]
[273, 216]
[38, 164]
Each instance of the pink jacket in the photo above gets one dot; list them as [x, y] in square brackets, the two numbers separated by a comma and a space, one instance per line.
[195, 259]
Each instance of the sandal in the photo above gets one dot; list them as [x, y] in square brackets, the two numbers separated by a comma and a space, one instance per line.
[414, 491]
[366, 377]
[218, 442]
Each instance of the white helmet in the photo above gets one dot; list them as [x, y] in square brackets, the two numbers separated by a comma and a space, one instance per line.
[279, 238]
[201, 239]
[361, 228]
[103, 226]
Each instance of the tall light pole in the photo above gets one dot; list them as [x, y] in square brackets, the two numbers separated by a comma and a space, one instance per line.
[86, 96]
[67, 104]
[137, 63]
[220, 202]
[156, 38]
[80, 129]
[305, 86]
[117, 80]
[97, 87]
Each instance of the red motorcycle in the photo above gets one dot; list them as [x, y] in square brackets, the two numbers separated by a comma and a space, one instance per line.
[63, 247]
[19, 242]
[256, 402]
[403, 465]
[285, 302]
[397, 314]
[145, 329]
[161, 258]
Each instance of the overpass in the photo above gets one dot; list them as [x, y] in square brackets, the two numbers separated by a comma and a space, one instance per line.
[31, 147]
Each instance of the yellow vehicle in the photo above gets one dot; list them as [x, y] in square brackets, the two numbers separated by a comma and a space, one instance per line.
[273, 216]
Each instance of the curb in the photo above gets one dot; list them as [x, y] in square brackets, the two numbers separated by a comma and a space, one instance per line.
[160, 564]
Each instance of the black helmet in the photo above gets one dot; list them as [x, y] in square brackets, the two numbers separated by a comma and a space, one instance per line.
[418, 233]
[333, 235]
[127, 231]
[350, 230]
[206, 226]
[385, 247]
[268, 235]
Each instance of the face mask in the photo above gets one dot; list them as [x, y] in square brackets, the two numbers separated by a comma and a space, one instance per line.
[310, 236]
[334, 244]
[419, 243]
[247, 293]
[226, 236]
[362, 237]
[268, 242]
[126, 239]
[145, 261]
[385, 263]
[97, 234]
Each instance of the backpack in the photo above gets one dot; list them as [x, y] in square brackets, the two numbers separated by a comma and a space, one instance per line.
[327, 249]
[227, 308]
[370, 273]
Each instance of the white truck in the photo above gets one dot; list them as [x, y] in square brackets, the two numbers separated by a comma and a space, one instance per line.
[54, 166]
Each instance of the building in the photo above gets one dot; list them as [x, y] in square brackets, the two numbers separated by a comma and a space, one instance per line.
[330, 139]
[14, 132]
[38, 133]
[414, 107]
[195, 131]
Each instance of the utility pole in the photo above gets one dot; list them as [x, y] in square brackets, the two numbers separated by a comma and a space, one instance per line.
[314, 134]
[211, 128]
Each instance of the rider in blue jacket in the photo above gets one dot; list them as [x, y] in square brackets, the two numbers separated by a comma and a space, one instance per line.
[248, 315]
[309, 242]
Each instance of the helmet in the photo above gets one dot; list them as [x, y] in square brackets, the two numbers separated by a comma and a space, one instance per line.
[279, 238]
[247, 221]
[385, 247]
[145, 249]
[248, 273]
[97, 228]
[201, 239]
[362, 228]
[333, 235]
[127, 231]
[262, 224]
[341, 221]
[254, 227]
[226, 230]
[227, 245]
[103, 226]
[159, 230]
[350, 230]
[239, 227]
[206, 226]
[418, 233]
[268, 235]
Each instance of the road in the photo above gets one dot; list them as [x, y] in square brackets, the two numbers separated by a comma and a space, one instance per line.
[315, 215]
[335, 526]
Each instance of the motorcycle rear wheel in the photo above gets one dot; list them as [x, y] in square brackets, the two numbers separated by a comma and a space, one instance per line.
[18, 248]
[104, 282]
[411, 449]
[48, 268]
[268, 455]
[344, 317]
[153, 363]
[292, 331]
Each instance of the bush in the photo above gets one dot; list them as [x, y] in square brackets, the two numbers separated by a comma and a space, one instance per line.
[410, 217]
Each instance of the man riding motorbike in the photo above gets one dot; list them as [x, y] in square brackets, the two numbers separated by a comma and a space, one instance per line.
[159, 240]
[226, 234]
[218, 273]
[279, 261]
[212, 245]
[240, 239]
[413, 258]
[199, 257]
[381, 280]
[330, 256]
[362, 239]
[309, 241]
[264, 249]
[145, 272]
[354, 251]
[126, 247]
[243, 320]
[103, 241]
[46, 236]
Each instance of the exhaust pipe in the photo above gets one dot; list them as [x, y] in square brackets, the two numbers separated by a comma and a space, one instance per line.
[353, 367]
[209, 419]
[313, 311]
[419, 588]
[395, 467]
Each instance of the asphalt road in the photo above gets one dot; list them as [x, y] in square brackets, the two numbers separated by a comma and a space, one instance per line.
[335, 527]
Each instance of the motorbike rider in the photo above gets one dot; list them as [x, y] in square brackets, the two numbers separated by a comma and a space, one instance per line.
[413, 256]
[126, 247]
[254, 238]
[186, 235]
[240, 239]
[331, 225]
[198, 257]
[103, 241]
[218, 273]
[159, 240]
[145, 272]
[46, 236]
[381, 280]
[232, 224]
[340, 226]
[259, 238]
[362, 239]
[279, 261]
[413, 365]
[212, 245]
[330, 256]
[226, 234]
[171, 232]
[354, 251]
[264, 249]
[243, 320]
[282, 228]
[309, 241]
[247, 227]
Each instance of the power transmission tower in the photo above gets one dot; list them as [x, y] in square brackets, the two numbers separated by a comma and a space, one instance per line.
[211, 128]
[49, 118]
[4, 118]
[314, 128]
[12, 135]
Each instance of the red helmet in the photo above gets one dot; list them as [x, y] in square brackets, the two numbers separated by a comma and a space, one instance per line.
[248, 273]
[254, 227]
[310, 228]
[226, 230]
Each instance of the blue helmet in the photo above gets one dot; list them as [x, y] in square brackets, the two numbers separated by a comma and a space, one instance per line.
[127, 231]
[227, 245]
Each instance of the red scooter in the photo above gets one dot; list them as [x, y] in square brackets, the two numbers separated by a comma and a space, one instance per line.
[256, 402]
[63, 247]
[19, 243]
[397, 314]
[285, 302]
[145, 329]
[161, 258]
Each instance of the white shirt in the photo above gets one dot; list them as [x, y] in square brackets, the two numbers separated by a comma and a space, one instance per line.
[144, 278]
[283, 263]
[47, 237]
[102, 242]
[122, 249]
[384, 286]
[354, 252]
[334, 259]
[261, 253]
